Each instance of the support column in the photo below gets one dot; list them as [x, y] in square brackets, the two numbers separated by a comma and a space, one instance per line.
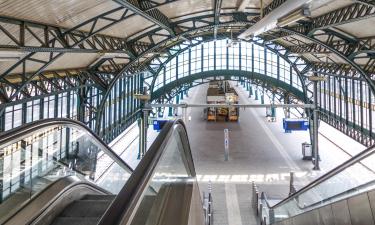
[315, 128]
[2, 120]
[273, 109]
[143, 122]
[143, 126]
[287, 110]
[315, 79]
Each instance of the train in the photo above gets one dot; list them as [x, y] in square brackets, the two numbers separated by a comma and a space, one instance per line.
[220, 92]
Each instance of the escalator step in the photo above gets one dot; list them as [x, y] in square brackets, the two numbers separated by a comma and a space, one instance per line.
[76, 221]
[99, 197]
[86, 208]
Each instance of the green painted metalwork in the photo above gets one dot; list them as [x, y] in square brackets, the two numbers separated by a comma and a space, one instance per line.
[227, 74]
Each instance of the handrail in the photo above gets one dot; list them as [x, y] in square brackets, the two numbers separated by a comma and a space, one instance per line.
[125, 201]
[339, 195]
[18, 133]
[67, 183]
[362, 155]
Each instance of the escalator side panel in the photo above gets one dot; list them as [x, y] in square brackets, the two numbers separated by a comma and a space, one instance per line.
[45, 206]
[326, 215]
[62, 201]
[371, 196]
[196, 215]
[311, 218]
[360, 210]
[172, 205]
[356, 210]
[32, 208]
[341, 213]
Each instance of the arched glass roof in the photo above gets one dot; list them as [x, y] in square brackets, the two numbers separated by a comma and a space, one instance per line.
[225, 55]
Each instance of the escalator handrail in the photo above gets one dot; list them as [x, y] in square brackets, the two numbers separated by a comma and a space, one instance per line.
[70, 182]
[360, 156]
[14, 135]
[131, 193]
[338, 196]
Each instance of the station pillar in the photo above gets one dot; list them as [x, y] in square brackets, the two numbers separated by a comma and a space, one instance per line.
[143, 127]
[143, 122]
[315, 79]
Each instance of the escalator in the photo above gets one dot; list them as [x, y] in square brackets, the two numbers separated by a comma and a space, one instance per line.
[343, 196]
[59, 172]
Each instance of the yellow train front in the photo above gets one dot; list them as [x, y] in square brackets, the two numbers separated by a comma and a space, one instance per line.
[220, 92]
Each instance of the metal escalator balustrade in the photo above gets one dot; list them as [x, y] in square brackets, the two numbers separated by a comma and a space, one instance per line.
[38, 155]
[163, 188]
[353, 179]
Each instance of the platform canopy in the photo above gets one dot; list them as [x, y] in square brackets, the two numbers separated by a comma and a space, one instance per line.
[49, 38]
[49, 46]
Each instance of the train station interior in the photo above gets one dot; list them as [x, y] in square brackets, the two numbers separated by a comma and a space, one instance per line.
[187, 112]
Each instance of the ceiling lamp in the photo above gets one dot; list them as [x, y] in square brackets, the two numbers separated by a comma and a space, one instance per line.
[270, 21]
[293, 17]
[8, 56]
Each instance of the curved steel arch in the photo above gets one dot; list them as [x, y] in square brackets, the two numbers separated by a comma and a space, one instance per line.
[336, 52]
[210, 28]
[207, 80]
[302, 79]
[227, 74]
[129, 66]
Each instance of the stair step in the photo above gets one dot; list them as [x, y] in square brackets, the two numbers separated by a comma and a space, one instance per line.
[76, 221]
[86, 208]
[99, 197]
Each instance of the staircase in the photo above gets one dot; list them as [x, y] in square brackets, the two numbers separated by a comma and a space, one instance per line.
[86, 211]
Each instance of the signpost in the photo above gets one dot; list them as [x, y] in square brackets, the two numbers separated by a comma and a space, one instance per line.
[226, 144]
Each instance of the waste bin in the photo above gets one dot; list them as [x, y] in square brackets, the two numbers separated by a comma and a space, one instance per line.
[307, 151]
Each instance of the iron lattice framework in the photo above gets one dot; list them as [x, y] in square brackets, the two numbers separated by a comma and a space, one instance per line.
[303, 45]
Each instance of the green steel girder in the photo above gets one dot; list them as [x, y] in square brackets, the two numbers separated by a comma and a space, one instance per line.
[209, 38]
[134, 66]
[273, 82]
[158, 42]
[366, 2]
[50, 82]
[168, 97]
[355, 66]
[107, 75]
[75, 41]
[57, 40]
[217, 8]
[331, 41]
[273, 5]
[78, 41]
[48, 38]
[349, 128]
[146, 10]
[348, 14]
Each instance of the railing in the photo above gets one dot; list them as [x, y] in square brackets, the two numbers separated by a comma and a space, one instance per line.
[35, 155]
[208, 206]
[350, 178]
[168, 161]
